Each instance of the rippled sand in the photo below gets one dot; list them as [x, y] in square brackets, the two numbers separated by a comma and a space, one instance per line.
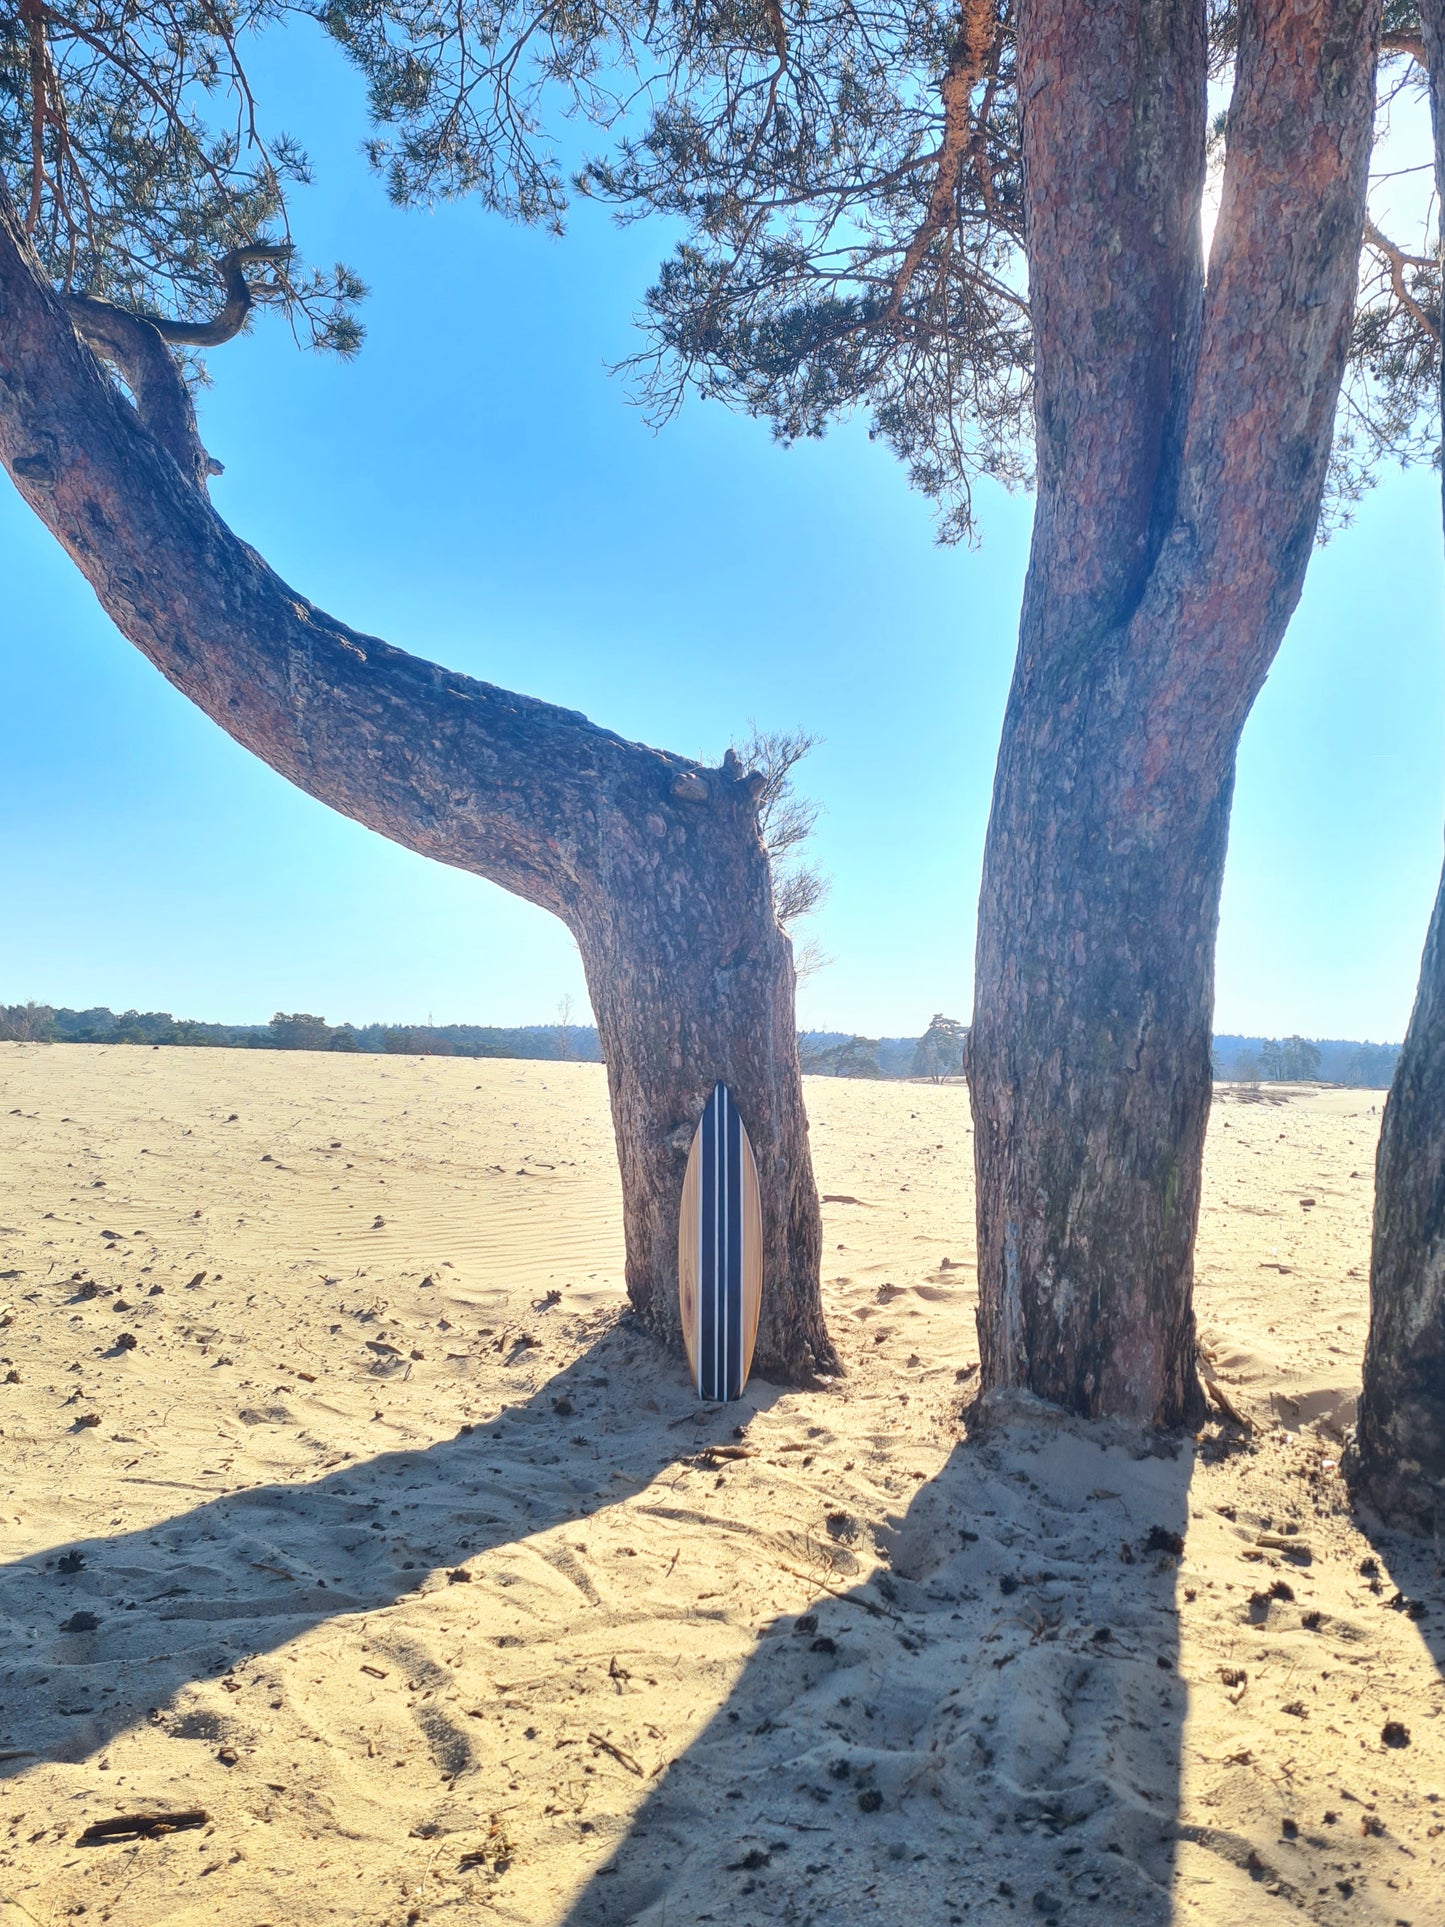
[423, 1585]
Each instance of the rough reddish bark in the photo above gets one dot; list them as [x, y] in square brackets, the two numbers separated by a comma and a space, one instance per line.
[1183, 438]
[654, 864]
[1397, 1459]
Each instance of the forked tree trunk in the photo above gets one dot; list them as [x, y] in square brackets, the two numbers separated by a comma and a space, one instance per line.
[655, 865]
[1397, 1458]
[1183, 436]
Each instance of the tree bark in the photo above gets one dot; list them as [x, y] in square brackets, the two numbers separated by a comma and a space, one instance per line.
[691, 980]
[1183, 437]
[655, 864]
[1397, 1457]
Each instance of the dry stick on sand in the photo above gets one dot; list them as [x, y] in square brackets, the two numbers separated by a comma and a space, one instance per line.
[141, 1826]
[1222, 1399]
[848, 1598]
[622, 1758]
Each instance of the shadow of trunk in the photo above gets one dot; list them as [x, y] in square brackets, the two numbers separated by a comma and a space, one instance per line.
[989, 1724]
[1407, 1574]
[99, 1634]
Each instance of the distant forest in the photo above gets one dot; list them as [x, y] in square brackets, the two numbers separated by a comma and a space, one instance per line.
[937, 1054]
[296, 1030]
[1304, 1060]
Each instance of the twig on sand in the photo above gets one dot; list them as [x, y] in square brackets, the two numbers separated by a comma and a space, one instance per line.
[141, 1826]
[848, 1598]
[622, 1758]
[1226, 1404]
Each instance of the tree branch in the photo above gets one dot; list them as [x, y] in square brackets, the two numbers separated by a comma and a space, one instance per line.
[1432, 22]
[33, 16]
[112, 331]
[1112, 100]
[977, 32]
[134, 347]
[1278, 314]
[1404, 43]
[515, 790]
[1397, 261]
[231, 317]
[777, 30]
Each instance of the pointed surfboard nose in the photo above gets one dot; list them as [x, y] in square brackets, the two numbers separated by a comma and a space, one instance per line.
[720, 1251]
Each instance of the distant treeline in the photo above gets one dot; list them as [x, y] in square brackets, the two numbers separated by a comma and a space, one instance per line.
[834, 1053]
[937, 1054]
[297, 1030]
[1237, 1060]
[1305, 1060]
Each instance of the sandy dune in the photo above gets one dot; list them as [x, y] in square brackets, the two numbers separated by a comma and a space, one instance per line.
[339, 1501]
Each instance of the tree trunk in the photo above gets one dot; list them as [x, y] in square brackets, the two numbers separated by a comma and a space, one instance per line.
[1183, 436]
[1397, 1461]
[1397, 1458]
[1090, 1061]
[691, 980]
[655, 864]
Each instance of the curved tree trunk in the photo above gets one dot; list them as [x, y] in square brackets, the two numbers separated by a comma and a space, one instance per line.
[1397, 1459]
[654, 864]
[1183, 436]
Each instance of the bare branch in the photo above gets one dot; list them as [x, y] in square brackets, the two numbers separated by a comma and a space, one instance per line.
[1397, 261]
[809, 958]
[785, 820]
[798, 892]
[505, 782]
[135, 346]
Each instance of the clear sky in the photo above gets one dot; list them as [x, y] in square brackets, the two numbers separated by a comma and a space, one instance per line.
[476, 487]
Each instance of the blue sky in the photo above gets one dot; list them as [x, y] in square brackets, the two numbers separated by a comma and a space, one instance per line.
[476, 487]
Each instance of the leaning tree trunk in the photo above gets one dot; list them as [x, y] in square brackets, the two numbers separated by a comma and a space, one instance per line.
[1183, 436]
[655, 865]
[1397, 1458]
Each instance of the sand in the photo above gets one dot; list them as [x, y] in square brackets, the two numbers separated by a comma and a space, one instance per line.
[390, 1546]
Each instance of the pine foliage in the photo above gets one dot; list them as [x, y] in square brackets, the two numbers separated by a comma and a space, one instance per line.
[845, 182]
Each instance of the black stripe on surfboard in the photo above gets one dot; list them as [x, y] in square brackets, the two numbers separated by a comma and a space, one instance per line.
[720, 1251]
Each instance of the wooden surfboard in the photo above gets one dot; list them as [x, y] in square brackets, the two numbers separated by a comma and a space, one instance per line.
[720, 1251]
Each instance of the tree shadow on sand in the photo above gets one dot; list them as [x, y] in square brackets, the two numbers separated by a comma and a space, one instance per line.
[990, 1722]
[1408, 1574]
[96, 1634]
[987, 1729]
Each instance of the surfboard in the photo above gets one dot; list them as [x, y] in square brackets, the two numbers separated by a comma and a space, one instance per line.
[720, 1251]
